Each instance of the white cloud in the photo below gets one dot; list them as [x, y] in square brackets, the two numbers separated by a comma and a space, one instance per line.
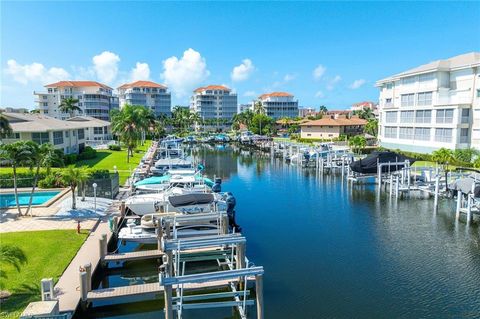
[319, 94]
[357, 84]
[105, 66]
[35, 72]
[319, 71]
[141, 71]
[331, 84]
[289, 77]
[184, 74]
[243, 71]
[250, 94]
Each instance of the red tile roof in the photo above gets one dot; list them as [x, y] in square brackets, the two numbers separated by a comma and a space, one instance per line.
[77, 84]
[212, 87]
[276, 94]
[142, 84]
[335, 122]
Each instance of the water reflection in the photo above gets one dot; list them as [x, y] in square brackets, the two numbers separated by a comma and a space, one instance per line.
[335, 250]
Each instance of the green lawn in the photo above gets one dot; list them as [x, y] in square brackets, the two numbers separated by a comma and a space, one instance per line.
[106, 159]
[48, 254]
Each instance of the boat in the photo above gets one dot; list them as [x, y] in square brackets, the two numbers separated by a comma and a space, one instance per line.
[176, 200]
[369, 165]
[180, 179]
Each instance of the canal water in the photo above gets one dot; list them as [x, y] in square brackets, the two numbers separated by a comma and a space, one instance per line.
[332, 250]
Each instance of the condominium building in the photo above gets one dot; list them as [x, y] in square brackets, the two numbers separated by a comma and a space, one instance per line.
[150, 94]
[214, 102]
[279, 104]
[363, 105]
[432, 106]
[244, 107]
[94, 99]
[307, 111]
[69, 136]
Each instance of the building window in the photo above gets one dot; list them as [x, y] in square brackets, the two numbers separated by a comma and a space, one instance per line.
[98, 130]
[388, 102]
[465, 116]
[424, 116]
[40, 138]
[422, 133]
[67, 133]
[81, 134]
[443, 135]
[389, 86]
[424, 98]
[58, 138]
[464, 135]
[407, 99]
[406, 133]
[44, 97]
[390, 132]
[11, 136]
[391, 117]
[445, 116]
[406, 116]
[45, 103]
[426, 77]
[478, 92]
[408, 80]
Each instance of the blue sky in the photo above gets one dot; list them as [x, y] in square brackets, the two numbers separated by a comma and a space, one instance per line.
[323, 52]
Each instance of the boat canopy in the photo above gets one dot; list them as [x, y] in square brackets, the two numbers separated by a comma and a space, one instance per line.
[191, 199]
[153, 180]
[369, 165]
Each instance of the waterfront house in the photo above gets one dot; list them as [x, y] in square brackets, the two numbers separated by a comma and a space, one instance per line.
[432, 106]
[94, 99]
[146, 93]
[328, 128]
[69, 136]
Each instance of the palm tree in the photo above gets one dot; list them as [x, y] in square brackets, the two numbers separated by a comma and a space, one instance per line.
[86, 174]
[322, 109]
[366, 113]
[5, 128]
[69, 105]
[74, 176]
[443, 156]
[372, 127]
[146, 119]
[44, 156]
[17, 154]
[127, 126]
[12, 256]
[258, 108]
[357, 142]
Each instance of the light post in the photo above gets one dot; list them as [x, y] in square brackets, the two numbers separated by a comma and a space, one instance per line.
[95, 196]
[115, 169]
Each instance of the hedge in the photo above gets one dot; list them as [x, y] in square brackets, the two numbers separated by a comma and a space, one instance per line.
[25, 177]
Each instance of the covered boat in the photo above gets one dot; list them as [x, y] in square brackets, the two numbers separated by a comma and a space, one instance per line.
[369, 165]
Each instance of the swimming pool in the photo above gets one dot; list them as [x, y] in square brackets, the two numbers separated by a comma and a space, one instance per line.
[39, 198]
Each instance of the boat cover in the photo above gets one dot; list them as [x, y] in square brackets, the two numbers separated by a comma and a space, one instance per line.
[191, 199]
[465, 186]
[153, 180]
[369, 164]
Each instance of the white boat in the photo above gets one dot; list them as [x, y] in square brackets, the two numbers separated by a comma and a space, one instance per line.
[184, 180]
[176, 200]
[163, 165]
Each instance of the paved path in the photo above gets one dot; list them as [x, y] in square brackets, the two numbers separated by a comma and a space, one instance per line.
[59, 216]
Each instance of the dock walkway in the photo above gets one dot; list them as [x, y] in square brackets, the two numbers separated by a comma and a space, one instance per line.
[135, 255]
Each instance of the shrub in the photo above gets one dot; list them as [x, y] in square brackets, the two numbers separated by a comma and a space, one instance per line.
[114, 147]
[24, 178]
[70, 159]
[51, 181]
[99, 173]
[88, 153]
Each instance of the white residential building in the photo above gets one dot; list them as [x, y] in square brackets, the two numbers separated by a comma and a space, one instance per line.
[279, 104]
[69, 136]
[363, 105]
[214, 102]
[432, 106]
[95, 99]
[243, 107]
[150, 94]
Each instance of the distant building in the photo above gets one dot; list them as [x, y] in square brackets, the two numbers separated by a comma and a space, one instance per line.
[326, 128]
[243, 107]
[69, 136]
[14, 110]
[214, 102]
[94, 99]
[363, 105]
[337, 114]
[307, 111]
[146, 93]
[279, 104]
[432, 106]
